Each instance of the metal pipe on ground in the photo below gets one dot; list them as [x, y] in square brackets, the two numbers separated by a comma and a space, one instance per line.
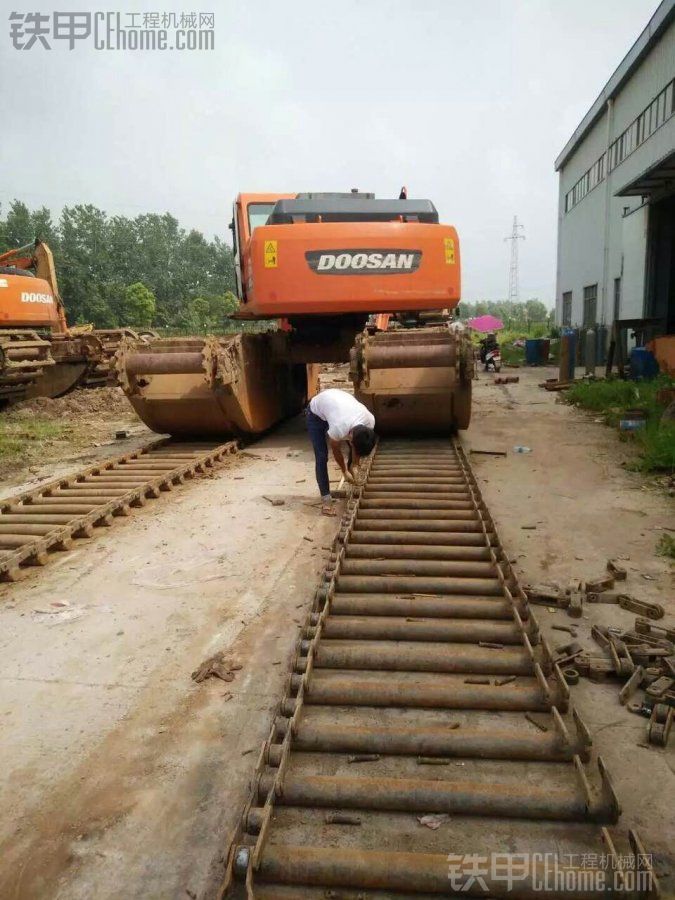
[472, 798]
[487, 743]
[426, 691]
[434, 568]
[397, 584]
[383, 628]
[432, 538]
[404, 474]
[35, 519]
[415, 504]
[434, 515]
[12, 541]
[400, 656]
[407, 873]
[416, 605]
[412, 524]
[60, 504]
[456, 492]
[401, 483]
[416, 551]
[88, 492]
[11, 530]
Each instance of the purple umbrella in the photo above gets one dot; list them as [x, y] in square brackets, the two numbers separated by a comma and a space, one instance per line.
[485, 324]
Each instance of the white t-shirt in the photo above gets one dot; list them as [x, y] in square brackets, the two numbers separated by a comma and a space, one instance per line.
[342, 411]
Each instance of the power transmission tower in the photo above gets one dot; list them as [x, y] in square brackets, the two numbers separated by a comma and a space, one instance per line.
[514, 237]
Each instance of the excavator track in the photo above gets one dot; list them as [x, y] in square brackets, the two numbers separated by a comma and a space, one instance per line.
[24, 356]
[37, 523]
[426, 744]
[102, 371]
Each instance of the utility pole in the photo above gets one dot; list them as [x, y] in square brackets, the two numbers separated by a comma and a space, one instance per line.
[514, 237]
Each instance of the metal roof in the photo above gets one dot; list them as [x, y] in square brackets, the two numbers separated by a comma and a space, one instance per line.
[655, 27]
[656, 179]
[349, 210]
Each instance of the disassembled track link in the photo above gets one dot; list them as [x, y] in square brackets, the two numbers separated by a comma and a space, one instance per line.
[421, 686]
[38, 522]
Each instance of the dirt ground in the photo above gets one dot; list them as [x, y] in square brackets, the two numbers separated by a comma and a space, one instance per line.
[42, 438]
[121, 777]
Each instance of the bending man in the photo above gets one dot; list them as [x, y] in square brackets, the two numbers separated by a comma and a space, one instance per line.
[338, 416]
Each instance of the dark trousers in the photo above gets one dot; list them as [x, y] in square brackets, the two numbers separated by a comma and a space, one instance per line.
[317, 429]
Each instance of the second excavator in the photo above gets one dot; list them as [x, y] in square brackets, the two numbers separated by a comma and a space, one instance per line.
[40, 355]
[318, 266]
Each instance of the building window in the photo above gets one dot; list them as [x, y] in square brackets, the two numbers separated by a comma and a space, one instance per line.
[617, 298]
[590, 305]
[567, 308]
[654, 116]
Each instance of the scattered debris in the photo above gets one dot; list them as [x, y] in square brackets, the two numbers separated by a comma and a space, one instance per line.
[506, 379]
[536, 722]
[216, 666]
[363, 757]
[477, 680]
[616, 570]
[122, 434]
[598, 585]
[59, 612]
[275, 501]
[520, 448]
[432, 761]
[340, 818]
[508, 679]
[434, 820]
[487, 452]
[643, 657]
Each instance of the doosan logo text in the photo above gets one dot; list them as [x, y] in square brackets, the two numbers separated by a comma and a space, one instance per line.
[29, 297]
[363, 262]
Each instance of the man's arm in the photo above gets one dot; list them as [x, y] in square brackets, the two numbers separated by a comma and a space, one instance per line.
[339, 458]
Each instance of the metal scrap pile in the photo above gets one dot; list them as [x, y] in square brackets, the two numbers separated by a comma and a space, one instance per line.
[643, 655]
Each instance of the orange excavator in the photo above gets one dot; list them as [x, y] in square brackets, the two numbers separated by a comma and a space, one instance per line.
[39, 354]
[319, 265]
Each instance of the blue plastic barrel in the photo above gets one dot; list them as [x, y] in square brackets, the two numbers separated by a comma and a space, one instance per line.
[643, 364]
[532, 357]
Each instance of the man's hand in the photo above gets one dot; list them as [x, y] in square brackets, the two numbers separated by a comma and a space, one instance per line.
[349, 477]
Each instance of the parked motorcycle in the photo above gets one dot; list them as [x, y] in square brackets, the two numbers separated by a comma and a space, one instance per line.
[490, 354]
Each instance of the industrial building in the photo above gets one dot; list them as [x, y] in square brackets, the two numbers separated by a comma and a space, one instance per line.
[616, 213]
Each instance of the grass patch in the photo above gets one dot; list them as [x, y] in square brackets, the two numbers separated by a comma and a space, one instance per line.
[23, 439]
[666, 546]
[611, 398]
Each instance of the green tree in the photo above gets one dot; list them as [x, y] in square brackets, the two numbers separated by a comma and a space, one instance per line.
[536, 311]
[139, 306]
[18, 229]
[98, 256]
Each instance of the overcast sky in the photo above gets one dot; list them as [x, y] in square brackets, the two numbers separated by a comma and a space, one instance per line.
[468, 102]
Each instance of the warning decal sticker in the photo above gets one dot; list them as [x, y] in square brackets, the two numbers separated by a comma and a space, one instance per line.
[449, 251]
[271, 256]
